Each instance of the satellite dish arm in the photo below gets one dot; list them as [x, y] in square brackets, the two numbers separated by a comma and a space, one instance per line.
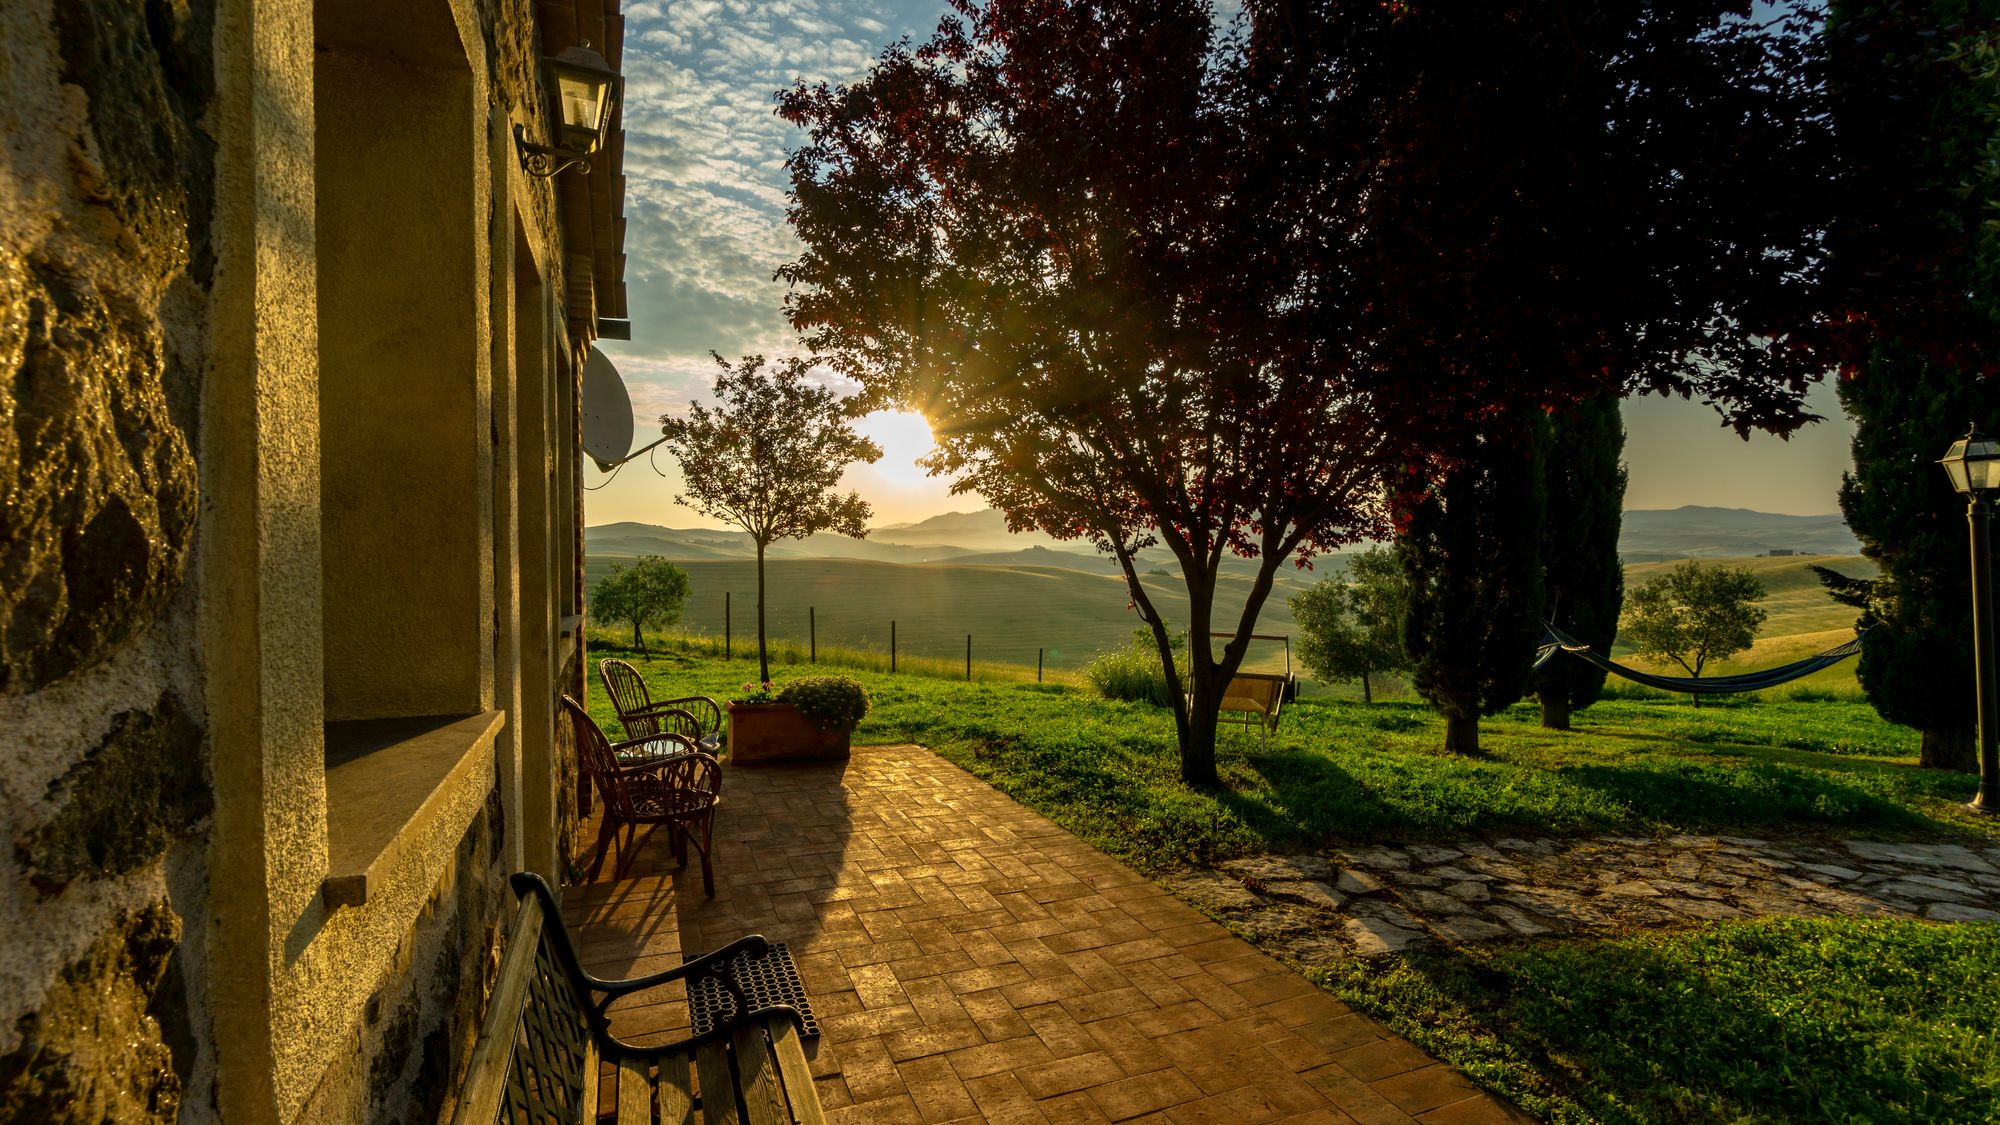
[607, 466]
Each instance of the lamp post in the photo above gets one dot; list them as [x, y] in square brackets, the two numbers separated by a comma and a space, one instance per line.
[585, 92]
[1973, 463]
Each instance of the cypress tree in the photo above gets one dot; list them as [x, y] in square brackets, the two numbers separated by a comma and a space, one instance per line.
[1916, 98]
[1917, 664]
[1582, 578]
[1474, 578]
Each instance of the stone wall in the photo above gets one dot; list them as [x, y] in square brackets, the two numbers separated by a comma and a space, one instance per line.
[417, 1030]
[106, 184]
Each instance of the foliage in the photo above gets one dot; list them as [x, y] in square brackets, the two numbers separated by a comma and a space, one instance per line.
[1915, 88]
[833, 702]
[1777, 1019]
[1694, 614]
[767, 459]
[758, 693]
[651, 591]
[1919, 97]
[1132, 673]
[1351, 628]
[1583, 581]
[1155, 285]
[1471, 559]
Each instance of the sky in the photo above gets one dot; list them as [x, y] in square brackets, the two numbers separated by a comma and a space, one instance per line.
[705, 201]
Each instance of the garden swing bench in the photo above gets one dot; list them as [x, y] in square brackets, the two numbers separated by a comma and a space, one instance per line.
[1258, 698]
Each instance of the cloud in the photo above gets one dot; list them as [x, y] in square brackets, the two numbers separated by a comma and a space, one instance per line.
[706, 186]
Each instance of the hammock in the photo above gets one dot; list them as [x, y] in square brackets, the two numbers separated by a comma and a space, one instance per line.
[1555, 640]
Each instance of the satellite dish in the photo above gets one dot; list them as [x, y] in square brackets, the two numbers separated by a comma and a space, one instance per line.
[607, 412]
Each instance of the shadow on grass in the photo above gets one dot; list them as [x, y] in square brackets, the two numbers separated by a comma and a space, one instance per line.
[1748, 795]
[1782, 1020]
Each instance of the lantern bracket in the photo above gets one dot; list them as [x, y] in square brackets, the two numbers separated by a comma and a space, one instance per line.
[541, 160]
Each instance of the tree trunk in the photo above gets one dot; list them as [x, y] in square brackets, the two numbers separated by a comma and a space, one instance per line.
[763, 658]
[1198, 752]
[638, 641]
[1366, 695]
[1949, 750]
[1555, 710]
[1198, 741]
[1461, 733]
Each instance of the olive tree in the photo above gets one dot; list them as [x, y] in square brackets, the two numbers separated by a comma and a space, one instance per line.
[649, 592]
[1351, 627]
[1694, 614]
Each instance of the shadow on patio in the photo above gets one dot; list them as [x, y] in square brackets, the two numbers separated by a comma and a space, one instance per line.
[969, 960]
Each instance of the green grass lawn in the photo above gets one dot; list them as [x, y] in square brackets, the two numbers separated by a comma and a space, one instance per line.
[1775, 1020]
[1772, 1020]
[1342, 772]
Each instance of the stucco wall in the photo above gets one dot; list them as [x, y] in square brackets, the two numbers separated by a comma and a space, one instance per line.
[106, 188]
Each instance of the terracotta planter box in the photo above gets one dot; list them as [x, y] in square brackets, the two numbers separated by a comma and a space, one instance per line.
[776, 732]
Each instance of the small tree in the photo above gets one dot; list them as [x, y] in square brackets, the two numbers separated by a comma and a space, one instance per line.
[1351, 628]
[1694, 614]
[767, 457]
[649, 592]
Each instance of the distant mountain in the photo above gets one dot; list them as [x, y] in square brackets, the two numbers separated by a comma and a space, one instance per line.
[1652, 535]
[1043, 557]
[975, 531]
[1648, 535]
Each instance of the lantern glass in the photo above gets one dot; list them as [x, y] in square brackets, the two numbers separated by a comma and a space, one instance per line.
[584, 88]
[582, 100]
[1973, 463]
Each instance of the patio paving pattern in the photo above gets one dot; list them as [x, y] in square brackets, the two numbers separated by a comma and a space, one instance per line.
[971, 961]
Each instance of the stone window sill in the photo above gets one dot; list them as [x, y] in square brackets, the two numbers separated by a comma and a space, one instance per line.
[386, 781]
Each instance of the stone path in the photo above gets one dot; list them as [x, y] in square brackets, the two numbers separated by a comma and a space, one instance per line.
[1318, 909]
[971, 961]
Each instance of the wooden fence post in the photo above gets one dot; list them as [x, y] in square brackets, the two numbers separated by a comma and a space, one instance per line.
[892, 646]
[812, 637]
[968, 658]
[725, 625]
[1038, 666]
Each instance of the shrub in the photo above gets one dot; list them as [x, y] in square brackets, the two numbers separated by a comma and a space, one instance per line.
[833, 702]
[1131, 673]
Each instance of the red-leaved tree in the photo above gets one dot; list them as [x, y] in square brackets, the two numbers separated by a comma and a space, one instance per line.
[1156, 284]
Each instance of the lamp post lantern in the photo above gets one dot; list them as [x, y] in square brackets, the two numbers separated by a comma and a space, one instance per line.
[584, 92]
[1973, 463]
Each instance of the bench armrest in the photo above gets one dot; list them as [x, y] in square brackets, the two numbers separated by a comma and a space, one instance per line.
[714, 962]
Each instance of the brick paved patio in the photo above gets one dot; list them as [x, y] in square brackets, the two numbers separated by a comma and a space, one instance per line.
[971, 961]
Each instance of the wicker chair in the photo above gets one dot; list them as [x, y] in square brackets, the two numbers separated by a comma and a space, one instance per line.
[664, 781]
[696, 718]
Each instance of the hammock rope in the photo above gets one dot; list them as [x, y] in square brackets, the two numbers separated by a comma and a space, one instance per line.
[1554, 640]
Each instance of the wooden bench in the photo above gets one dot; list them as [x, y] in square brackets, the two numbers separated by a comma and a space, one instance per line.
[546, 1039]
[1258, 698]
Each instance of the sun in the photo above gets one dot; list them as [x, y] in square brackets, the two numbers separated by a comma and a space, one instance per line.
[904, 437]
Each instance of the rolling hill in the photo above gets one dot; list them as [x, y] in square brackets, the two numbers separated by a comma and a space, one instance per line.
[1648, 535]
[1011, 611]
[1652, 535]
[961, 573]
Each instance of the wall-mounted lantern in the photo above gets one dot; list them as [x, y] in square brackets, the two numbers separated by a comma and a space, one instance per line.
[584, 91]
